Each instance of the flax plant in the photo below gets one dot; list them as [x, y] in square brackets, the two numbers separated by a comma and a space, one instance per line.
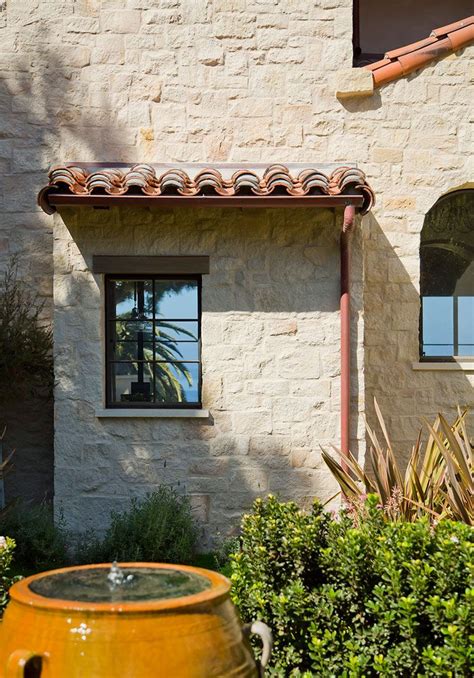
[438, 480]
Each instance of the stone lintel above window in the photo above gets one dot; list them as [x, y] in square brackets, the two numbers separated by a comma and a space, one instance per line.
[144, 265]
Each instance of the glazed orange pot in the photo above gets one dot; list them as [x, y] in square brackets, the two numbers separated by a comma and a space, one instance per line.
[182, 633]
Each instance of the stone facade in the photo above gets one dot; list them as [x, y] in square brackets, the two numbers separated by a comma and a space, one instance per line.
[270, 331]
[236, 80]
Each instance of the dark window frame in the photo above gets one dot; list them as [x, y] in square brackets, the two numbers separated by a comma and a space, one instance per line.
[455, 357]
[360, 58]
[109, 341]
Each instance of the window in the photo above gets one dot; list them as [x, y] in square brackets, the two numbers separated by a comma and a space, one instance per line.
[153, 341]
[447, 278]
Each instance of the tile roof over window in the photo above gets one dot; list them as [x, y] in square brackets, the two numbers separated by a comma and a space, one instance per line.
[69, 182]
[441, 41]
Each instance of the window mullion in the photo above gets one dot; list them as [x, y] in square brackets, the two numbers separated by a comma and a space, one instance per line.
[153, 340]
[455, 326]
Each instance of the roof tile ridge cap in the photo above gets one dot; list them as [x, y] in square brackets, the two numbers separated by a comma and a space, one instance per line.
[455, 26]
[378, 64]
[461, 38]
[412, 47]
[434, 36]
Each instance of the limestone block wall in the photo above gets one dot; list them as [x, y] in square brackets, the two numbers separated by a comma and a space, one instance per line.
[236, 80]
[420, 148]
[270, 342]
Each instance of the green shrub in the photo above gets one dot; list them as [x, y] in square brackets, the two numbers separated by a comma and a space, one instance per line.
[438, 481]
[160, 528]
[26, 345]
[41, 544]
[7, 546]
[357, 595]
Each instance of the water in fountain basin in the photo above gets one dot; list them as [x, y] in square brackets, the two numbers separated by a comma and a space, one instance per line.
[128, 584]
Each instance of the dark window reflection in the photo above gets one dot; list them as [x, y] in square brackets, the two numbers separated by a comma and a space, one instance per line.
[447, 278]
[153, 328]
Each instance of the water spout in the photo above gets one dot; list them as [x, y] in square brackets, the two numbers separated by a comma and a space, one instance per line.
[116, 577]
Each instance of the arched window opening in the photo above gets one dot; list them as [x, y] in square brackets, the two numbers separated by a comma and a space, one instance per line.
[447, 278]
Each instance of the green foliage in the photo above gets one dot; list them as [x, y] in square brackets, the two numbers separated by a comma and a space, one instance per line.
[41, 544]
[355, 595]
[160, 528]
[26, 362]
[7, 546]
[224, 547]
[438, 481]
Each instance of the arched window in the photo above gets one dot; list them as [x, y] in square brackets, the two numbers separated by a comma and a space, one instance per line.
[447, 278]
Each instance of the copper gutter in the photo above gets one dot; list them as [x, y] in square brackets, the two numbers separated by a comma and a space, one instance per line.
[345, 309]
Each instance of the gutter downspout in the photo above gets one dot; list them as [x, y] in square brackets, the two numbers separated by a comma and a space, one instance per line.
[345, 309]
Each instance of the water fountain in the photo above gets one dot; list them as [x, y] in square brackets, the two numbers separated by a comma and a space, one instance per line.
[134, 620]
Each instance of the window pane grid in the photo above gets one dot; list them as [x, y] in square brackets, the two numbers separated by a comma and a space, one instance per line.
[161, 364]
[447, 316]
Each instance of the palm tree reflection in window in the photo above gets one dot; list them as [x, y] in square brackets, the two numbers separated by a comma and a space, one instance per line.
[155, 336]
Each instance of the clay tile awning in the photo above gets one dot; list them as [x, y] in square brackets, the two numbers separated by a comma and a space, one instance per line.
[258, 185]
[440, 42]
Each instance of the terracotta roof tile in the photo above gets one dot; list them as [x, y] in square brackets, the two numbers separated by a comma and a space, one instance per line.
[442, 41]
[449, 28]
[164, 180]
[395, 53]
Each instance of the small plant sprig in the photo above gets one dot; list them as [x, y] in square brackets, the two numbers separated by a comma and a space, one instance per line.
[7, 546]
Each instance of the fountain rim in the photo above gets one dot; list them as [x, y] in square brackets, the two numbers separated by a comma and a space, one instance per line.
[220, 587]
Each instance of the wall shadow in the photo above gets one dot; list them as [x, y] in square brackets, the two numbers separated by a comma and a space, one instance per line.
[41, 124]
[391, 337]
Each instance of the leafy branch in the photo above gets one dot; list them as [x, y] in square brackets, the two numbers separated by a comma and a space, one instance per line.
[26, 361]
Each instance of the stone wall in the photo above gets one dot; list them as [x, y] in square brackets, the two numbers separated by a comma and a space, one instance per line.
[236, 80]
[270, 329]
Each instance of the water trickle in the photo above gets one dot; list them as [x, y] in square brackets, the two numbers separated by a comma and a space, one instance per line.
[117, 577]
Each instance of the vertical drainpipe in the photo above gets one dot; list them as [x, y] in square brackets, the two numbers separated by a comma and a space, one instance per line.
[345, 308]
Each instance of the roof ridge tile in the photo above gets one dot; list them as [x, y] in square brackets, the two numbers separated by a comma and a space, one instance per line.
[449, 28]
[404, 60]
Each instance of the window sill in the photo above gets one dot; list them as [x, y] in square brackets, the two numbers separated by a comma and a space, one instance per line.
[122, 413]
[465, 365]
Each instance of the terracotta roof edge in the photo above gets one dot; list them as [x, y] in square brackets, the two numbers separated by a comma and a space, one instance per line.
[86, 179]
[404, 60]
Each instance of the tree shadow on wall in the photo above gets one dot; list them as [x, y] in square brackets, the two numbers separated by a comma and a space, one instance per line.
[50, 110]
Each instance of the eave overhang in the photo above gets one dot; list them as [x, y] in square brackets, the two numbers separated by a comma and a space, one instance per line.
[199, 184]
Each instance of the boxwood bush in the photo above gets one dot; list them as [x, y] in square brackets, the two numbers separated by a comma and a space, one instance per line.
[356, 595]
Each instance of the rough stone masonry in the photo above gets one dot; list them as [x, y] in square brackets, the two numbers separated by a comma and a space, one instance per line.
[217, 80]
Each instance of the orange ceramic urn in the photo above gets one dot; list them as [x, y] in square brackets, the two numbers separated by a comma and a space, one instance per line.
[167, 621]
